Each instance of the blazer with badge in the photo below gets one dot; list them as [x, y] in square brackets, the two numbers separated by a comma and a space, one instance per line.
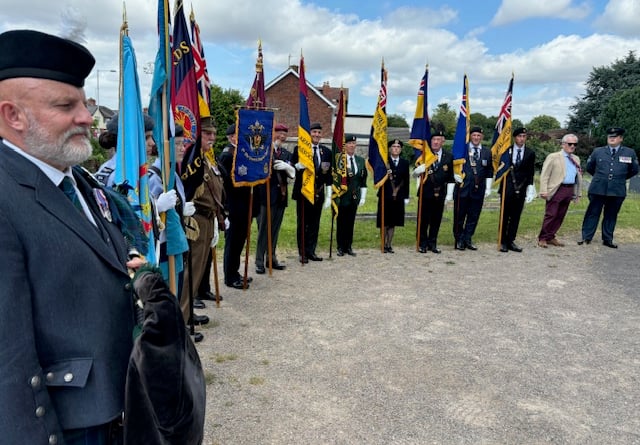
[474, 184]
[521, 175]
[66, 311]
[441, 174]
[322, 178]
[610, 173]
[354, 183]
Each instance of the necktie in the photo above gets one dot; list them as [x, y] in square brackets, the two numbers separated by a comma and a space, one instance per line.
[613, 152]
[518, 157]
[352, 165]
[69, 190]
[476, 153]
[316, 158]
[395, 162]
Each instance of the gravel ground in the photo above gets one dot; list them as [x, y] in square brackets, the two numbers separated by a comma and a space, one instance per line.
[459, 348]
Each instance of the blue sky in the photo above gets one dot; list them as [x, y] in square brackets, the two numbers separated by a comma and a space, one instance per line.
[550, 46]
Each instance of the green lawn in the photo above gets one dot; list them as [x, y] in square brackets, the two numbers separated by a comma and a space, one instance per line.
[366, 234]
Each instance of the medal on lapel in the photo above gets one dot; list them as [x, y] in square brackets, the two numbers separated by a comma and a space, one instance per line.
[103, 204]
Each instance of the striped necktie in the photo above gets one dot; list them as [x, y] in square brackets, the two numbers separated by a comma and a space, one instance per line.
[69, 190]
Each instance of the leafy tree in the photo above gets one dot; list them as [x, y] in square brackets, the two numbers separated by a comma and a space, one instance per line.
[603, 84]
[397, 121]
[487, 124]
[446, 117]
[543, 123]
[223, 105]
[620, 112]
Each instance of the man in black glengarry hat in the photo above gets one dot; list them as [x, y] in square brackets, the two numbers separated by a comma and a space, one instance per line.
[66, 313]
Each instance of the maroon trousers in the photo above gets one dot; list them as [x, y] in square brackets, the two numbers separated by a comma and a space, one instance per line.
[555, 211]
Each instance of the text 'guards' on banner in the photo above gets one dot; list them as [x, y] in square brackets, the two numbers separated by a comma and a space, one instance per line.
[252, 159]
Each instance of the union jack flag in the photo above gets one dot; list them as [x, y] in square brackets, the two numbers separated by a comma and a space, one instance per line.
[202, 75]
[502, 134]
[461, 138]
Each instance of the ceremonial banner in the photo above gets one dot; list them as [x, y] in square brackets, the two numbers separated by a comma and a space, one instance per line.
[378, 150]
[252, 158]
[420, 136]
[461, 138]
[502, 136]
[200, 66]
[257, 98]
[338, 158]
[305, 150]
[131, 152]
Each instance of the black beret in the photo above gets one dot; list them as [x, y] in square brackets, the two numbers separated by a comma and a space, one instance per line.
[476, 129]
[231, 129]
[518, 131]
[207, 123]
[350, 138]
[179, 131]
[112, 125]
[437, 132]
[615, 131]
[27, 53]
[315, 126]
[394, 141]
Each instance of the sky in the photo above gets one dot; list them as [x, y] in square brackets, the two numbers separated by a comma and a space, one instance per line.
[550, 46]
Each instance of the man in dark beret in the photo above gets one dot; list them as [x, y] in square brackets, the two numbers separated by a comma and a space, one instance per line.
[66, 313]
[516, 187]
[610, 167]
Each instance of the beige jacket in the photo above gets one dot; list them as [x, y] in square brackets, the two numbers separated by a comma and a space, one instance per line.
[552, 175]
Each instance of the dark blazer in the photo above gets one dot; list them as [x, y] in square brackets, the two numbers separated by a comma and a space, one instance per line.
[522, 175]
[439, 176]
[322, 178]
[399, 178]
[354, 183]
[474, 184]
[236, 198]
[611, 173]
[66, 311]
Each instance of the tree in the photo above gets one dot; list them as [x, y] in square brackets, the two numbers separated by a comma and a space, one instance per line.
[223, 107]
[446, 117]
[487, 124]
[602, 85]
[397, 121]
[620, 112]
[543, 123]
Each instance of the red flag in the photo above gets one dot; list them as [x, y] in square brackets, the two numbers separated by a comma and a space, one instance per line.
[257, 98]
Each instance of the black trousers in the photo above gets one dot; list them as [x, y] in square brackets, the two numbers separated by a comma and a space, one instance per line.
[234, 240]
[466, 213]
[513, 205]
[344, 225]
[430, 220]
[312, 214]
[598, 204]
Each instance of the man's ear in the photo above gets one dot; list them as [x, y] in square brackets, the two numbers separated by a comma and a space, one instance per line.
[13, 117]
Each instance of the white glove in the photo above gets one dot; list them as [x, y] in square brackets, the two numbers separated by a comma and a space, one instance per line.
[487, 191]
[420, 169]
[531, 193]
[300, 166]
[457, 178]
[216, 235]
[282, 165]
[227, 224]
[449, 196]
[327, 197]
[166, 201]
[363, 196]
[406, 201]
[189, 209]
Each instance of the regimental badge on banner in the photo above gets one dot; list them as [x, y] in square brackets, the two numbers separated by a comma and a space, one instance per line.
[252, 158]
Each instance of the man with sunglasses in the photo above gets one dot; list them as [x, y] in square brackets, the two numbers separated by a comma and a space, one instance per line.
[560, 184]
[610, 167]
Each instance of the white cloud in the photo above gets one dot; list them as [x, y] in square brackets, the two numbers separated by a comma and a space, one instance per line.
[620, 16]
[511, 11]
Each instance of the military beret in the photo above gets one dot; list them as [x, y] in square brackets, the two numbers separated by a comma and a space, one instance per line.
[315, 126]
[27, 53]
[207, 123]
[394, 141]
[179, 131]
[476, 129]
[615, 131]
[518, 131]
[281, 127]
[437, 132]
[231, 129]
[349, 138]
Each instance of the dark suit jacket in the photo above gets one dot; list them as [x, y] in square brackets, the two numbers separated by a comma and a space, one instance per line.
[354, 183]
[611, 173]
[476, 176]
[439, 177]
[522, 175]
[322, 179]
[66, 312]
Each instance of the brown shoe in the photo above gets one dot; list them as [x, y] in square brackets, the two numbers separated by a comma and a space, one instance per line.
[542, 243]
[555, 242]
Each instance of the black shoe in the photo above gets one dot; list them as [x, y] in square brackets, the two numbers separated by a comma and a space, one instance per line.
[584, 241]
[314, 257]
[351, 252]
[434, 249]
[422, 250]
[260, 270]
[197, 337]
[504, 248]
[238, 284]
[209, 296]
[469, 245]
[278, 266]
[390, 249]
[303, 260]
[199, 320]
[610, 244]
[514, 247]
[460, 245]
[198, 304]
[340, 252]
